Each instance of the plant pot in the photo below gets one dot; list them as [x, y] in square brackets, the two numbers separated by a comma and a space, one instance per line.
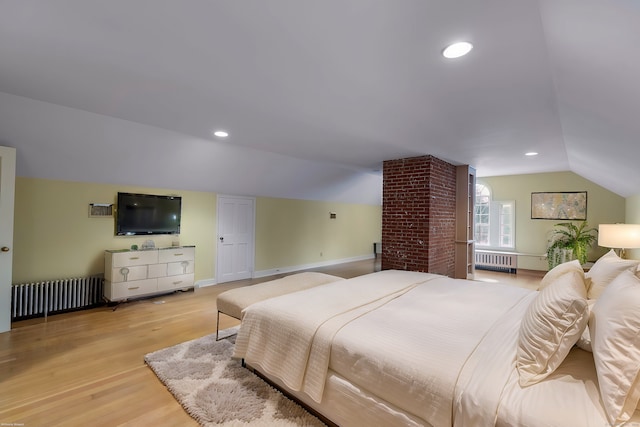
[560, 256]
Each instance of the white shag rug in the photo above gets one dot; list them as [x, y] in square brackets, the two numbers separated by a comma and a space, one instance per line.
[217, 391]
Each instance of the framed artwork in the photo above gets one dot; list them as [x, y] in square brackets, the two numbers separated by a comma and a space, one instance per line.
[571, 205]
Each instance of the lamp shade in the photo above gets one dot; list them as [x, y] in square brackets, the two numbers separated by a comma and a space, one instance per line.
[621, 236]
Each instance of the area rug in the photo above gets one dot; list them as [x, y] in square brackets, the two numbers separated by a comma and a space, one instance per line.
[217, 391]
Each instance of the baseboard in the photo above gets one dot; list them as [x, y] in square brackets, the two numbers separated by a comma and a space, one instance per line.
[205, 282]
[294, 268]
[290, 269]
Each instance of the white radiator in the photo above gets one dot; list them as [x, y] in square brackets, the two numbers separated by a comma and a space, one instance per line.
[496, 261]
[55, 296]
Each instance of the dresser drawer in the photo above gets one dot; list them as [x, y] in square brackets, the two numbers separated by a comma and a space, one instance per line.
[176, 254]
[125, 290]
[175, 282]
[182, 267]
[127, 259]
[157, 270]
[127, 274]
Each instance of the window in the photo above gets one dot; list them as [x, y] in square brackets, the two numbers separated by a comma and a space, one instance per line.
[505, 228]
[494, 220]
[482, 213]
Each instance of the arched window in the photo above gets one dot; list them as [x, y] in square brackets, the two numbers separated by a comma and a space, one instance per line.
[494, 220]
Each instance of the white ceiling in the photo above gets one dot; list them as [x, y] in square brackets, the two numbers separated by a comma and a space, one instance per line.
[329, 88]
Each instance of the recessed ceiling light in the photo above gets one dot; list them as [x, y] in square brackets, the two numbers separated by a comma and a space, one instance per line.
[221, 134]
[456, 50]
[531, 154]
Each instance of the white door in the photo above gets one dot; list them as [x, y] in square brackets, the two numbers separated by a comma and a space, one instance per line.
[236, 223]
[7, 192]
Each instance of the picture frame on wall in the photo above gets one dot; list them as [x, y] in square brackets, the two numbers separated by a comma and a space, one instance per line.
[566, 205]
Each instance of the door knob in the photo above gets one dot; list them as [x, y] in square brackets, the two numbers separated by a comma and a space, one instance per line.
[4, 249]
[222, 239]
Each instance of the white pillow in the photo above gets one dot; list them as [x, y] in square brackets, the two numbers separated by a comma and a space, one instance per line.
[584, 342]
[605, 270]
[559, 270]
[615, 341]
[550, 327]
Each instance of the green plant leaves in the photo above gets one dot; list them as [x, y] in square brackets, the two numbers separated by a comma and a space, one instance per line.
[567, 235]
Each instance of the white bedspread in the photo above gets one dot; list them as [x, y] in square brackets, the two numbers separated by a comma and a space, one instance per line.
[488, 393]
[410, 351]
[414, 349]
[278, 335]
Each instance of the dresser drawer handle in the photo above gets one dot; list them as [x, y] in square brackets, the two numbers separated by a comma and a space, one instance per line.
[134, 257]
[134, 288]
[178, 254]
[125, 272]
[178, 282]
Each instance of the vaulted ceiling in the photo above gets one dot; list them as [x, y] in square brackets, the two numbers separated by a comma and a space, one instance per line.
[317, 94]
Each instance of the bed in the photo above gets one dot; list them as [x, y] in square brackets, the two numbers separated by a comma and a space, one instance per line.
[398, 348]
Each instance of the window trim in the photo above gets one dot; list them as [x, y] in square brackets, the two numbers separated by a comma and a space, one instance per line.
[496, 224]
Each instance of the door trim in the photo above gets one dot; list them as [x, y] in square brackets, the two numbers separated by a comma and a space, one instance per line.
[7, 200]
[253, 233]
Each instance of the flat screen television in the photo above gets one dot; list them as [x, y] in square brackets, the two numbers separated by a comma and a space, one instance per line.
[147, 214]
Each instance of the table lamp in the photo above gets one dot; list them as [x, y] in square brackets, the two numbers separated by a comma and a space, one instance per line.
[619, 236]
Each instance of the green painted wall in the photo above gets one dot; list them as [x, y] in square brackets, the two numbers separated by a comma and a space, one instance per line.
[54, 237]
[532, 235]
[298, 232]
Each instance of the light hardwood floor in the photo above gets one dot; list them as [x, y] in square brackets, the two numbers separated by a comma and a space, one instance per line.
[86, 368]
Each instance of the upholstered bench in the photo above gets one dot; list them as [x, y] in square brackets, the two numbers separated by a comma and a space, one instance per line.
[233, 301]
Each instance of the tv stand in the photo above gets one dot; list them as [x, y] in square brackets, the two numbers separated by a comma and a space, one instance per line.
[133, 274]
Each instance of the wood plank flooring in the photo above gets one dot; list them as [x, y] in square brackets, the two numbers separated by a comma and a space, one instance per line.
[86, 368]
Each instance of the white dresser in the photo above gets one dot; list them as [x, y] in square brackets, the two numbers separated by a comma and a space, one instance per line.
[133, 274]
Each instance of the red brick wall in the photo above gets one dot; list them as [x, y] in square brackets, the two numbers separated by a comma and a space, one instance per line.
[418, 215]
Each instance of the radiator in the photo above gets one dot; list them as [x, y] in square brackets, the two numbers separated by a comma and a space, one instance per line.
[496, 261]
[55, 296]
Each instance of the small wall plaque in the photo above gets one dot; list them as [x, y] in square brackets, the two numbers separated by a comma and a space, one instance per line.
[100, 210]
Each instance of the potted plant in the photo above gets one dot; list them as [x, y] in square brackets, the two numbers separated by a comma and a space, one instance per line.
[569, 242]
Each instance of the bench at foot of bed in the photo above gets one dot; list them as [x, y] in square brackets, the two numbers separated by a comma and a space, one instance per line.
[233, 301]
